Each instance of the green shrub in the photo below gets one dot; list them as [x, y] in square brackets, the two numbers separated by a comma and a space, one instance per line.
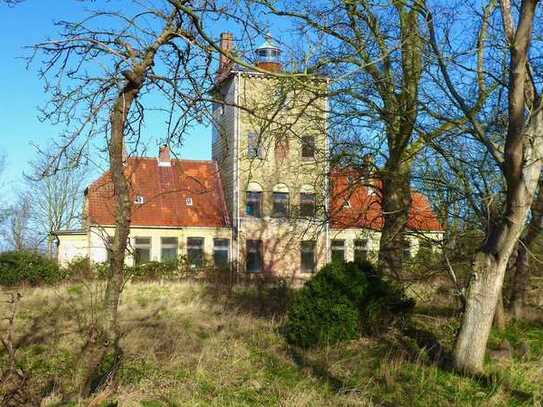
[341, 301]
[79, 268]
[28, 267]
[153, 270]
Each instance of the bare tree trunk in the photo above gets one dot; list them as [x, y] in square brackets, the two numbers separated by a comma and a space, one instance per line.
[490, 262]
[104, 340]
[500, 320]
[396, 202]
[520, 283]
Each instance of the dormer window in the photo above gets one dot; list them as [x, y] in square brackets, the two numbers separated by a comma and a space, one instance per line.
[139, 200]
[346, 204]
[188, 201]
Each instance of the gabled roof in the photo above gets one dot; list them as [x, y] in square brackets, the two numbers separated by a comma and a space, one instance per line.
[357, 204]
[167, 193]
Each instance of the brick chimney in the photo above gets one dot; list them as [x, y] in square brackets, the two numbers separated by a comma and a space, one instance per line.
[226, 46]
[164, 156]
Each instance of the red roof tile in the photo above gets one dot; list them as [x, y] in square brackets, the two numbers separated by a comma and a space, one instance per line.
[355, 205]
[165, 191]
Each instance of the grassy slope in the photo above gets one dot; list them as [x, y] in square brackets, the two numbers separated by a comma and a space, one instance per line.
[183, 346]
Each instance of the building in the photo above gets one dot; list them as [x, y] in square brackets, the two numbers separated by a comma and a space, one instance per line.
[268, 200]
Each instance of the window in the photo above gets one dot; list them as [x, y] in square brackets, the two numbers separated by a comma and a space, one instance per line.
[188, 201]
[308, 147]
[360, 250]
[139, 200]
[280, 205]
[220, 252]
[254, 150]
[307, 205]
[338, 250]
[254, 204]
[168, 249]
[254, 256]
[308, 256]
[142, 250]
[195, 251]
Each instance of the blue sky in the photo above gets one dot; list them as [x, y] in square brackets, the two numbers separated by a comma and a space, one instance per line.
[21, 91]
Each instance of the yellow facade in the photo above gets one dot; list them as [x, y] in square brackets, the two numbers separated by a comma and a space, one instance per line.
[280, 116]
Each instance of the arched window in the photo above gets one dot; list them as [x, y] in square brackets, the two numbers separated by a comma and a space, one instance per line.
[280, 201]
[253, 201]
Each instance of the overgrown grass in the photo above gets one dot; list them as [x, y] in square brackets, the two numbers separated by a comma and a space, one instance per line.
[187, 345]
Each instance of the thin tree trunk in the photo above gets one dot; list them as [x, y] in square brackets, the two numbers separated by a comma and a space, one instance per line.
[521, 277]
[500, 320]
[520, 283]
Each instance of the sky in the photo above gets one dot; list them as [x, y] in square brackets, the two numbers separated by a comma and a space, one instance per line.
[21, 91]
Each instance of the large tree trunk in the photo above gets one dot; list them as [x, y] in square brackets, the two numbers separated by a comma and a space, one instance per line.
[396, 200]
[490, 262]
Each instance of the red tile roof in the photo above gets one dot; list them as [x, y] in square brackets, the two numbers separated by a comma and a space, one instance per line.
[165, 191]
[355, 204]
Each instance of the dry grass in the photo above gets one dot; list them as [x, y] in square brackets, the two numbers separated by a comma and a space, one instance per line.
[184, 346]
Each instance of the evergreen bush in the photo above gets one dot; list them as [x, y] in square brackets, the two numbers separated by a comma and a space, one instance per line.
[25, 267]
[342, 301]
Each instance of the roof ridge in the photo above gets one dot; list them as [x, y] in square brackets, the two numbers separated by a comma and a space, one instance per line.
[173, 159]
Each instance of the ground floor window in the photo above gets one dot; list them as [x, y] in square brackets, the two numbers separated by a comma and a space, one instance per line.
[220, 252]
[168, 249]
[308, 256]
[142, 250]
[254, 256]
[338, 250]
[360, 250]
[195, 251]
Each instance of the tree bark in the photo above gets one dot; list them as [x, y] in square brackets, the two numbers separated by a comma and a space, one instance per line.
[396, 201]
[490, 262]
[500, 320]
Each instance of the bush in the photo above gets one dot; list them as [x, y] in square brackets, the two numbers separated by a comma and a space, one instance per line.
[79, 268]
[153, 270]
[28, 267]
[341, 301]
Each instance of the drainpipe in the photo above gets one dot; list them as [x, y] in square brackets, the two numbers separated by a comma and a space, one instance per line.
[237, 84]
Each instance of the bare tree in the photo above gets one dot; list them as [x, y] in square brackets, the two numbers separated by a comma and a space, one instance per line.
[57, 200]
[98, 74]
[18, 232]
[518, 154]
